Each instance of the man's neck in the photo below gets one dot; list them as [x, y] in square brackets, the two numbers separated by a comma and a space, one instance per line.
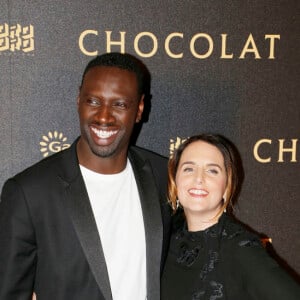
[113, 164]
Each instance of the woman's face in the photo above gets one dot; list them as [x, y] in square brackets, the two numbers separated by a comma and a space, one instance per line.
[201, 180]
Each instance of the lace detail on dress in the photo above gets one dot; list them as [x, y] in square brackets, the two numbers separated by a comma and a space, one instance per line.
[213, 258]
[214, 292]
[187, 256]
[229, 236]
[200, 251]
[249, 243]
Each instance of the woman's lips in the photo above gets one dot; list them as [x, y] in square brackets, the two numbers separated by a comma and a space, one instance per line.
[198, 192]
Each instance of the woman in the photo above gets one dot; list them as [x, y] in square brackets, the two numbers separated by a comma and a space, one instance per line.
[211, 256]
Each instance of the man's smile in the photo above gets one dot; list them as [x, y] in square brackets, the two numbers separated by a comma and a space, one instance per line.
[103, 134]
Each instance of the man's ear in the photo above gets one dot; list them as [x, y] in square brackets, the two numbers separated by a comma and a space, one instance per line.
[140, 109]
[77, 101]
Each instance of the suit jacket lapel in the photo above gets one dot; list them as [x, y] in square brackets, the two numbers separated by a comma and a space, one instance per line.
[78, 205]
[79, 208]
[149, 196]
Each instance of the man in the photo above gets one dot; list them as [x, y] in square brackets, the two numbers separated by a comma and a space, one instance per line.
[87, 223]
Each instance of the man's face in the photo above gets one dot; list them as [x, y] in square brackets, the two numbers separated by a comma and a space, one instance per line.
[108, 105]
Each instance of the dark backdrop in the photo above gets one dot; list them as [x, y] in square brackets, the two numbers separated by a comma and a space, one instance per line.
[230, 67]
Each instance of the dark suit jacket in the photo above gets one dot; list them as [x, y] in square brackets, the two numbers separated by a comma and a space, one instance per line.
[49, 241]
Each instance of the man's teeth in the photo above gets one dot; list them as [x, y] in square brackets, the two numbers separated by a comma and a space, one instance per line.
[103, 134]
[198, 192]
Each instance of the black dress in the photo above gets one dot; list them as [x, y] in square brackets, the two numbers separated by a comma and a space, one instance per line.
[225, 261]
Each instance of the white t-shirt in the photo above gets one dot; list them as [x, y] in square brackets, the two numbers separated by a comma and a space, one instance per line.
[117, 210]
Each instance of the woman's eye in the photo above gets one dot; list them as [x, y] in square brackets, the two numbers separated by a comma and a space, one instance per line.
[213, 171]
[188, 169]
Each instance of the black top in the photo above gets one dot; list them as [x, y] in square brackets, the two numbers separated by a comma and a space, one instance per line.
[225, 261]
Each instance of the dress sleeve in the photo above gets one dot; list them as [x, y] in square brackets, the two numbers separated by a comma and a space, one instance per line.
[17, 245]
[262, 276]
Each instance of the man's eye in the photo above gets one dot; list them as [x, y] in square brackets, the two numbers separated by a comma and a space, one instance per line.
[122, 105]
[93, 102]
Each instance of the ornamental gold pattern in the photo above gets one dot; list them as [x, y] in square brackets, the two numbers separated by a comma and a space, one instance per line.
[52, 143]
[16, 38]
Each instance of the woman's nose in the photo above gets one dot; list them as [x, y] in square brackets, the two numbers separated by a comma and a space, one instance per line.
[199, 176]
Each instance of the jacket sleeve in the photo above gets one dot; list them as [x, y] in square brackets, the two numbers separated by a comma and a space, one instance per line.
[17, 245]
[262, 276]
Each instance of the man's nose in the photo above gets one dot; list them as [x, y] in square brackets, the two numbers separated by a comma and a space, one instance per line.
[105, 114]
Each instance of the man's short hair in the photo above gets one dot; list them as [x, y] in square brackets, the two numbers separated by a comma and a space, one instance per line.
[121, 61]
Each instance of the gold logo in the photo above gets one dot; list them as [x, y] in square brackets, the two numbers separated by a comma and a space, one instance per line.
[175, 143]
[53, 143]
[267, 150]
[201, 45]
[16, 38]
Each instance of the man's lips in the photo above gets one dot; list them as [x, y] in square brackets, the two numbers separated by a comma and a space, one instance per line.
[103, 134]
[198, 192]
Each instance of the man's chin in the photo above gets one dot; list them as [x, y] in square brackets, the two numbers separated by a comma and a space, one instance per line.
[103, 151]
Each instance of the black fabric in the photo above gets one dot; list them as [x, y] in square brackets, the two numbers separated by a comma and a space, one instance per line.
[224, 261]
[49, 241]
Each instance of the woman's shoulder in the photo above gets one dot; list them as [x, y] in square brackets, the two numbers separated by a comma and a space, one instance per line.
[243, 250]
[236, 235]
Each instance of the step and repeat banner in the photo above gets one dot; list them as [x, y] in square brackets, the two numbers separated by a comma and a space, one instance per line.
[229, 67]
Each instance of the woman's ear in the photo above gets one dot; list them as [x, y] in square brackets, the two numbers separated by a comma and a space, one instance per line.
[225, 195]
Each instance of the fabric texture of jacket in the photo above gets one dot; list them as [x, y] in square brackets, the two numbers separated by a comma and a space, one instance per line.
[49, 242]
